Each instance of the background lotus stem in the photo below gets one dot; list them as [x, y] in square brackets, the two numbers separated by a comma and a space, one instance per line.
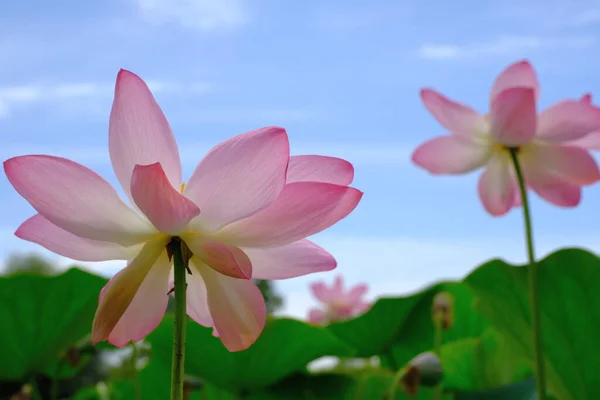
[533, 283]
[54, 388]
[437, 347]
[396, 382]
[55, 381]
[134, 372]
[180, 268]
[35, 391]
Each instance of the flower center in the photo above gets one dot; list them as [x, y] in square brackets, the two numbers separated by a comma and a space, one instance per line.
[500, 148]
[516, 149]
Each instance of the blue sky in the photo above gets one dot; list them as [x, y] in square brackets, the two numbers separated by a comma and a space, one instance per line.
[341, 76]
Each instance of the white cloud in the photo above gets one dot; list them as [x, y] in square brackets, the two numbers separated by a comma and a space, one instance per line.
[178, 88]
[23, 95]
[201, 15]
[76, 90]
[505, 45]
[440, 51]
[105, 268]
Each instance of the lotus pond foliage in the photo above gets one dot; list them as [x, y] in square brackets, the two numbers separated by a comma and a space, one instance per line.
[191, 315]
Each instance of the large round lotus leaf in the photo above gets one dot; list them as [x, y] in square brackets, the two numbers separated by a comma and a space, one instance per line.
[42, 316]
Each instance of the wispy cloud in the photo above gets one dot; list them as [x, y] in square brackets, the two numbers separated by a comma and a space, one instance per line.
[391, 265]
[23, 95]
[200, 15]
[394, 266]
[505, 45]
[105, 268]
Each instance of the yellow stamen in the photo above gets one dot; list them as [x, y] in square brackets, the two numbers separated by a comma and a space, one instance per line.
[182, 188]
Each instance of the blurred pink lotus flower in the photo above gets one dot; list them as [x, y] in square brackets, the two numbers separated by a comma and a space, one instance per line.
[553, 167]
[244, 213]
[591, 141]
[338, 304]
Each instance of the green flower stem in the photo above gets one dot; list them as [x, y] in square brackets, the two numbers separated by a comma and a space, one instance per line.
[396, 382]
[54, 388]
[533, 283]
[180, 268]
[437, 348]
[134, 371]
[35, 391]
[55, 380]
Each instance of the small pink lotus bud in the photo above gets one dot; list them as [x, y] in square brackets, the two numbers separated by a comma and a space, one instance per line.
[423, 370]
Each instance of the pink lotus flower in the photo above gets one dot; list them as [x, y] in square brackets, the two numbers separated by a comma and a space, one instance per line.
[244, 213]
[338, 303]
[591, 141]
[553, 167]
